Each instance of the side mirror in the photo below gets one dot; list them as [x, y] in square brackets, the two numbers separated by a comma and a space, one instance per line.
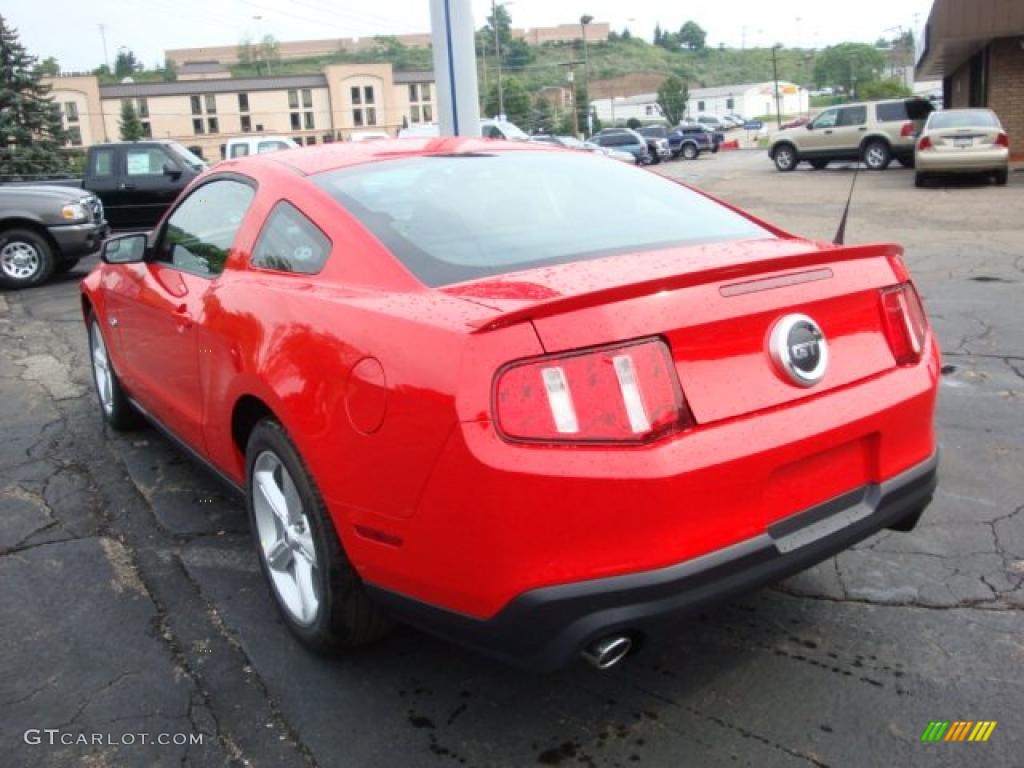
[810, 126]
[125, 249]
[170, 170]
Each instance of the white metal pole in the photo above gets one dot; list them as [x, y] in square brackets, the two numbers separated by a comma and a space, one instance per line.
[454, 41]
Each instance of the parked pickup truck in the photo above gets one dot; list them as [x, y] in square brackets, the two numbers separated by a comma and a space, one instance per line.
[46, 229]
[136, 180]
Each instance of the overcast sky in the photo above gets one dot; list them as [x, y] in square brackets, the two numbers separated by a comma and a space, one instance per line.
[69, 29]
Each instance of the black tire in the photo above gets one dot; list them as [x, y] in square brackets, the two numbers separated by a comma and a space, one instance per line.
[66, 266]
[26, 259]
[919, 179]
[876, 155]
[120, 414]
[819, 164]
[690, 151]
[345, 617]
[785, 157]
[1001, 177]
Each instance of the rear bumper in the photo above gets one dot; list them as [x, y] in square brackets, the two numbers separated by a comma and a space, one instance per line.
[546, 628]
[963, 162]
[79, 239]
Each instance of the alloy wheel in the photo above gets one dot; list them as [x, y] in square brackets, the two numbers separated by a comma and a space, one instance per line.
[286, 538]
[20, 260]
[101, 369]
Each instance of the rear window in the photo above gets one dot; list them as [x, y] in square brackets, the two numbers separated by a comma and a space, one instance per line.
[890, 112]
[451, 218]
[967, 118]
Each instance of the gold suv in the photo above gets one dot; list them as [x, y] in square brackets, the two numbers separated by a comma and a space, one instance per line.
[873, 132]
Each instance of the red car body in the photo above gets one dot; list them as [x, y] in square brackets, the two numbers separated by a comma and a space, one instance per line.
[530, 549]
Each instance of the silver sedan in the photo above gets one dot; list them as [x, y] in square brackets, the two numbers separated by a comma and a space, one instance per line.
[962, 141]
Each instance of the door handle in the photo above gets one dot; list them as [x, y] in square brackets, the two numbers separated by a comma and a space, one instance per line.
[828, 130]
[127, 186]
[862, 128]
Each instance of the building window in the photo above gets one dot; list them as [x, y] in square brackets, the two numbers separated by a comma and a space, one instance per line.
[730, 104]
[243, 102]
[307, 121]
[211, 104]
[147, 129]
[700, 106]
[197, 105]
[307, 97]
[142, 108]
[357, 117]
[368, 94]
[414, 93]
[425, 92]
[293, 99]
[75, 136]
[418, 110]
[328, 138]
[197, 126]
[371, 116]
[414, 113]
[246, 124]
[310, 140]
[428, 113]
[357, 97]
[71, 111]
[296, 121]
[212, 126]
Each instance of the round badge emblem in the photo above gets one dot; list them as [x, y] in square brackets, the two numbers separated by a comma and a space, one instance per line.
[799, 350]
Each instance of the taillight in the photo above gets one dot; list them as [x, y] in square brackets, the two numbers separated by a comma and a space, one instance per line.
[906, 326]
[924, 143]
[627, 393]
[1002, 140]
[907, 130]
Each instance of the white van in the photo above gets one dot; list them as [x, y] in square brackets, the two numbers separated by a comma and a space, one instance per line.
[257, 145]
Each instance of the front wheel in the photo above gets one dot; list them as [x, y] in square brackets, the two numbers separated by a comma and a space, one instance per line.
[26, 259]
[115, 406]
[785, 158]
[317, 591]
[690, 151]
[877, 155]
[919, 179]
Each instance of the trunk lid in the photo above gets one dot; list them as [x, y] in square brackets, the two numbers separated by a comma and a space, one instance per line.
[716, 305]
[963, 139]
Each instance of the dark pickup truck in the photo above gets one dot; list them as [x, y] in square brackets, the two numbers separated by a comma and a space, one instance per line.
[46, 229]
[136, 180]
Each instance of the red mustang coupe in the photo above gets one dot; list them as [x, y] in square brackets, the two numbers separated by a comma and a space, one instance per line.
[532, 400]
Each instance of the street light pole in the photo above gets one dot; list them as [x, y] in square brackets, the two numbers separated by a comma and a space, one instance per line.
[775, 74]
[497, 55]
[584, 20]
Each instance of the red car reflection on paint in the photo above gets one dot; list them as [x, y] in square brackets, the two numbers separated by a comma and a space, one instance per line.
[528, 399]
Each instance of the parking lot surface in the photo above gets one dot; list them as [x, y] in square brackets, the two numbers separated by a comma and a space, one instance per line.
[132, 600]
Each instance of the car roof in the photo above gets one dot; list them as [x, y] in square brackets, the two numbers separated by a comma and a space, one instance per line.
[328, 157]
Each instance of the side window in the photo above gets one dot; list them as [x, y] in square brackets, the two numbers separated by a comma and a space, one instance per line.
[239, 150]
[826, 119]
[851, 116]
[145, 161]
[891, 112]
[102, 163]
[202, 229]
[270, 146]
[290, 242]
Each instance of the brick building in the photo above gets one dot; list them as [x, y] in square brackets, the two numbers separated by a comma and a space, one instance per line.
[977, 48]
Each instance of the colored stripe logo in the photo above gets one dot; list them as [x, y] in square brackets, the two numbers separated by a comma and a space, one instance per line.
[958, 730]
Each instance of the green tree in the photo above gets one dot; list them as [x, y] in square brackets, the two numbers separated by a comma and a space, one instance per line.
[125, 64]
[542, 117]
[503, 21]
[48, 67]
[673, 94]
[169, 73]
[517, 101]
[517, 54]
[31, 133]
[848, 64]
[269, 51]
[626, 34]
[131, 126]
[246, 52]
[889, 88]
[582, 101]
[692, 36]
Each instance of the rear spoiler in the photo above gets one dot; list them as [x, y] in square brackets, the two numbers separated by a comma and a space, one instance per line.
[826, 253]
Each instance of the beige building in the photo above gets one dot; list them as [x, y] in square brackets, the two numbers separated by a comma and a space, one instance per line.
[207, 110]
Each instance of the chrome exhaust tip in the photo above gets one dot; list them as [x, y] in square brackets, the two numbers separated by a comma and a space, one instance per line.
[608, 651]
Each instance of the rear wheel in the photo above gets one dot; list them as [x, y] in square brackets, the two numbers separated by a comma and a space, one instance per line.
[919, 179]
[785, 158]
[26, 259]
[877, 155]
[317, 591]
[818, 164]
[1002, 177]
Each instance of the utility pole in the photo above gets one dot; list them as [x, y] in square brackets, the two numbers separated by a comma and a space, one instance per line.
[775, 74]
[584, 20]
[497, 56]
[103, 37]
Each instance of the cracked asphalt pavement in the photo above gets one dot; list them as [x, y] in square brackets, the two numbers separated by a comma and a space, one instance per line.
[131, 600]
